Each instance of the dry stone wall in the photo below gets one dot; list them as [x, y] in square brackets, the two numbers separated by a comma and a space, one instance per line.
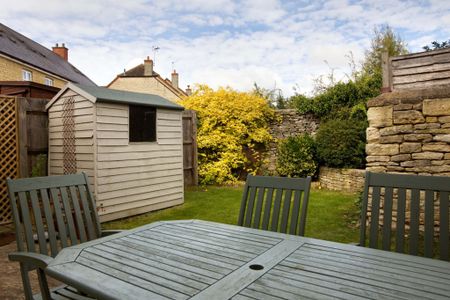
[287, 123]
[409, 132]
[348, 180]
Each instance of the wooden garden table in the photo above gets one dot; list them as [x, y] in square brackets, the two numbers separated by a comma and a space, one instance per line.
[205, 260]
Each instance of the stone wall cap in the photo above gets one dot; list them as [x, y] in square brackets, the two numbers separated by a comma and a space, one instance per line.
[397, 96]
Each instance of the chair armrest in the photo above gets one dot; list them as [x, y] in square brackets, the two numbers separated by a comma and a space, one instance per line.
[110, 232]
[35, 259]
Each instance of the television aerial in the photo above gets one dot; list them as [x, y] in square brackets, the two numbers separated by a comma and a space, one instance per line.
[155, 49]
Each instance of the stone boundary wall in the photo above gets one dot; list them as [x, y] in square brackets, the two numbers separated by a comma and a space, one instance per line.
[346, 180]
[288, 122]
[409, 132]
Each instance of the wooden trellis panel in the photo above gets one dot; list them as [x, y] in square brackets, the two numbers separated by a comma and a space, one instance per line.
[9, 160]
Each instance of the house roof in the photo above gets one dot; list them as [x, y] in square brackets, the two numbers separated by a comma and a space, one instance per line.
[138, 71]
[21, 48]
[102, 94]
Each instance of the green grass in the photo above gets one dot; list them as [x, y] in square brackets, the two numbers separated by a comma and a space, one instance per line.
[331, 215]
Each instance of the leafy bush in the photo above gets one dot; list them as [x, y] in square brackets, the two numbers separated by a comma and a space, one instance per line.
[40, 166]
[341, 143]
[296, 156]
[339, 100]
[231, 127]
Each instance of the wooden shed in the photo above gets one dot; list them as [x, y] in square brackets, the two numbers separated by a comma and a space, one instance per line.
[130, 144]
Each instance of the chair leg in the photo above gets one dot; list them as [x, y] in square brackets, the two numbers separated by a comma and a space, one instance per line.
[26, 282]
[45, 292]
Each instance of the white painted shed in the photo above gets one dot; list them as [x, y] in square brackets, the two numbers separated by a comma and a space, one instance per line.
[130, 144]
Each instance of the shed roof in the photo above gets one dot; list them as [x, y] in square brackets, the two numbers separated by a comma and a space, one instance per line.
[95, 93]
[21, 48]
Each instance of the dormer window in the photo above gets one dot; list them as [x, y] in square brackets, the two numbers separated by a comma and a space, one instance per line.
[48, 81]
[27, 75]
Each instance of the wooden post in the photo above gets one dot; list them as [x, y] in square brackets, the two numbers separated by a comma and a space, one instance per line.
[23, 136]
[190, 163]
[386, 72]
[32, 124]
[194, 148]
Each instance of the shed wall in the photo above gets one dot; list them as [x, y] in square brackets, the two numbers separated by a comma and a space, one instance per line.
[83, 115]
[136, 178]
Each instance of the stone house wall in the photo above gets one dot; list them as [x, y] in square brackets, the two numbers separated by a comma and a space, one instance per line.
[288, 122]
[346, 180]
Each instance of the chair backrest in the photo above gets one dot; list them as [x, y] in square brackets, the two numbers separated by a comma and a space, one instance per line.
[55, 211]
[414, 200]
[275, 203]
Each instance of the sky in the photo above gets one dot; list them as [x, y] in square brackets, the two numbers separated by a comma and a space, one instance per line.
[276, 44]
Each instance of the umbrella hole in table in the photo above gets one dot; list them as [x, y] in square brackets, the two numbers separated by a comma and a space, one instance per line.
[256, 267]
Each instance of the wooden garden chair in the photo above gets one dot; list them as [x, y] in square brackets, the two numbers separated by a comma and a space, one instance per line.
[51, 213]
[413, 197]
[275, 203]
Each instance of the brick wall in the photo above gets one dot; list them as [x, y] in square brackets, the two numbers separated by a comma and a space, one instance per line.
[12, 71]
[348, 180]
[144, 85]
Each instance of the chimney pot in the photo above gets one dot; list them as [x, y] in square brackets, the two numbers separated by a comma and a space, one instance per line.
[62, 51]
[188, 90]
[175, 79]
[148, 67]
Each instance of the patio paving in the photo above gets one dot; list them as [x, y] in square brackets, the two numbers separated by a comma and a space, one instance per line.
[10, 280]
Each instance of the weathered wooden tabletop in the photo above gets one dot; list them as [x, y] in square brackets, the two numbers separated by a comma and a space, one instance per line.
[205, 260]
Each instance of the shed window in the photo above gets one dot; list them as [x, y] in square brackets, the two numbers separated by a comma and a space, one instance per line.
[142, 123]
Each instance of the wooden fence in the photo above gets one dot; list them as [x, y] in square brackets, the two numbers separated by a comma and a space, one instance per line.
[23, 137]
[190, 148]
[417, 70]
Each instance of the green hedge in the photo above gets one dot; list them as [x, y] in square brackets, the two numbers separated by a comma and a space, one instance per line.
[296, 157]
[341, 143]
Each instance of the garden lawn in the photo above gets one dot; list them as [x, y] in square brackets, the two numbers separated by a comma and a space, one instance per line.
[331, 215]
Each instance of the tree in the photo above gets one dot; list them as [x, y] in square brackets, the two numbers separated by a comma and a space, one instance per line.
[436, 45]
[273, 96]
[384, 38]
[232, 126]
[339, 99]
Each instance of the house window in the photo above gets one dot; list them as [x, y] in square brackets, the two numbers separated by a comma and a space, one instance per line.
[27, 75]
[48, 81]
[142, 120]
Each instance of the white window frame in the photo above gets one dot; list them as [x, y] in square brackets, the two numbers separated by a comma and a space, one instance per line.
[27, 75]
[48, 81]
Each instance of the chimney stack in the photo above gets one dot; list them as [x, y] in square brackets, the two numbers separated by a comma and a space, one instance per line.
[62, 51]
[188, 90]
[175, 79]
[148, 67]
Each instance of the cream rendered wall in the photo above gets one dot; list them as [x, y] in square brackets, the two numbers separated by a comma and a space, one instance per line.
[12, 71]
[147, 85]
[134, 178]
[84, 113]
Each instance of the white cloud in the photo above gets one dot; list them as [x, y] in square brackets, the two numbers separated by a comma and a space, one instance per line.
[236, 43]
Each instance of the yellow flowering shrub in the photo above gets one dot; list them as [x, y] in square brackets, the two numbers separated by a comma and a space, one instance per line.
[231, 127]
